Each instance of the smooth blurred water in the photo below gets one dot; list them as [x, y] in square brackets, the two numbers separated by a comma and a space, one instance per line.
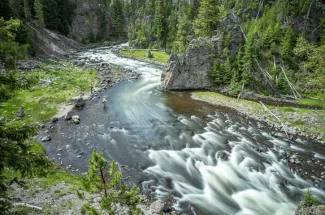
[211, 159]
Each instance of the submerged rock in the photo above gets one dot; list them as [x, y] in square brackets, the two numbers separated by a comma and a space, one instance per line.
[46, 138]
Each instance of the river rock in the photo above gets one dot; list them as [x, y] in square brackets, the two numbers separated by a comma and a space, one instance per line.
[21, 112]
[45, 82]
[159, 206]
[55, 119]
[76, 119]
[80, 102]
[310, 210]
[68, 116]
[46, 138]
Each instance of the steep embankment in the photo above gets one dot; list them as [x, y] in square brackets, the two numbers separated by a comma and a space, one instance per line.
[52, 44]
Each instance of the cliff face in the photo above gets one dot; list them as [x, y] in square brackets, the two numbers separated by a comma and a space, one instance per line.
[88, 16]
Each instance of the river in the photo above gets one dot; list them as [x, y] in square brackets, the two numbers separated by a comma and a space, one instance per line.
[211, 159]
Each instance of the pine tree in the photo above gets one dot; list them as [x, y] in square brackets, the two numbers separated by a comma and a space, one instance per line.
[287, 44]
[250, 54]
[106, 181]
[118, 19]
[27, 10]
[208, 18]
[160, 24]
[15, 146]
[38, 7]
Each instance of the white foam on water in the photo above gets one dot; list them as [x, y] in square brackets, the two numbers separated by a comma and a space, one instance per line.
[247, 183]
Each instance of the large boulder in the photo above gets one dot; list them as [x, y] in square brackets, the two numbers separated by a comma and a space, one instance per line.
[191, 69]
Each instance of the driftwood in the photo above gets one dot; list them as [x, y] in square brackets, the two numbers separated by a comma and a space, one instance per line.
[266, 75]
[259, 10]
[27, 205]
[293, 90]
[271, 113]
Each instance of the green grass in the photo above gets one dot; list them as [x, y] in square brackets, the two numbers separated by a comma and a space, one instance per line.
[313, 102]
[42, 101]
[159, 56]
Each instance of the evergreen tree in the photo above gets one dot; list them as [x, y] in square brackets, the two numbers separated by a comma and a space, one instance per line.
[183, 35]
[27, 10]
[287, 44]
[5, 10]
[15, 146]
[107, 183]
[208, 18]
[250, 54]
[38, 7]
[10, 51]
[118, 19]
[160, 24]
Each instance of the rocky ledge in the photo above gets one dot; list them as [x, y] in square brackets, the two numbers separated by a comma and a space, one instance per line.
[310, 210]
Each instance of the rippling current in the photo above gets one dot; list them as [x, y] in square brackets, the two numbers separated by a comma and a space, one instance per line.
[211, 159]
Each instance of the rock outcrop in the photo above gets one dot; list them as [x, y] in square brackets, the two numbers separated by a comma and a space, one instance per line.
[311, 210]
[192, 69]
[189, 70]
[52, 44]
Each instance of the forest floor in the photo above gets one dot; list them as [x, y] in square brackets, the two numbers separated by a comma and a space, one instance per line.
[296, 120]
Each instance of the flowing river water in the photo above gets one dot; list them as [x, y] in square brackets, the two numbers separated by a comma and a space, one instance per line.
[211, 159]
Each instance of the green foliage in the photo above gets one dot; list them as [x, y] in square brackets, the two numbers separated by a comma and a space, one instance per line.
[282, 84]
[310, 200]
[106, 181]
[38, 7]
[10, 51]
[16, 154]
[287, 44]
[208, 18]
[118, 19]
[312, 61]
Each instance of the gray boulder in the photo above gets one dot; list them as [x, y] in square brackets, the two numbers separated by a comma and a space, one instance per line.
[76, 119]
[46, 138]
[310, 210]
[191, 69]
[21, 112]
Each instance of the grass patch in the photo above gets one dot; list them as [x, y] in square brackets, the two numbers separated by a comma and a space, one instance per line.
[159, 56]
[42, 100]
[313, 102]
